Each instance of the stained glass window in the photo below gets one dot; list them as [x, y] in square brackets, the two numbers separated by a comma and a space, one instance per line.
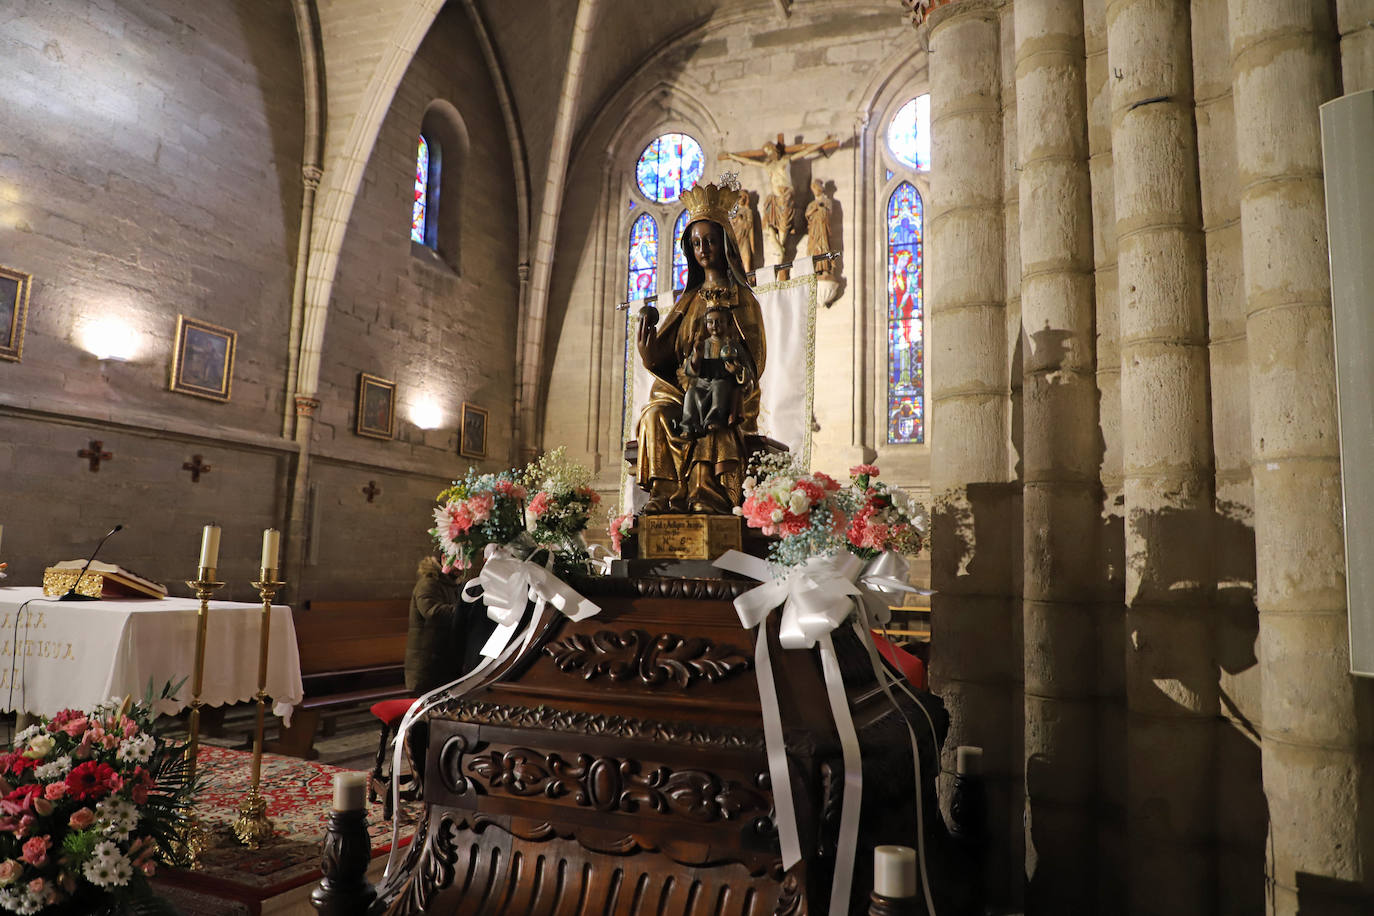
[905, 314]
[418, 212]
[679, 256]
[908, 136]
[643, 257]
[669, 165]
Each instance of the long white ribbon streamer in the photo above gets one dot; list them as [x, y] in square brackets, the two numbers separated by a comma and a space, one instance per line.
[508, 584]
[816, 597]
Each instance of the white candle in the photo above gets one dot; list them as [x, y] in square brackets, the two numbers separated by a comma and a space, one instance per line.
[350, 791]
[968, 761]
[209, 547]
[894, 872]
[271, 547]
[2, 533]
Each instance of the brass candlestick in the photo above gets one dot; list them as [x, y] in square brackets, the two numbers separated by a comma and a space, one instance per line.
[192, 840]
[253, 827]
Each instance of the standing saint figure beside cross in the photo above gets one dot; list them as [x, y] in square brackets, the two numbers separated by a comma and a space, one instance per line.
[779, 207]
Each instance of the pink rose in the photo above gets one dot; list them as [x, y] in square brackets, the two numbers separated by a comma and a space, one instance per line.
[37, 886]
[55, 790]
[10, 869]
[36, 849]
[81, 819]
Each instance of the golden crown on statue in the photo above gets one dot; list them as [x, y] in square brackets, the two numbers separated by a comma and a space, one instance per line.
[709, 201]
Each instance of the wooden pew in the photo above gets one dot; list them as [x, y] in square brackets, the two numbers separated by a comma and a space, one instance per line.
[352, 652]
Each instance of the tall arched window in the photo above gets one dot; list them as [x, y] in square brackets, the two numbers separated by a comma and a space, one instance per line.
[905, 318]
[908, 133]
[668, 165]
[643, 260]
[424, 216]
[679, 256]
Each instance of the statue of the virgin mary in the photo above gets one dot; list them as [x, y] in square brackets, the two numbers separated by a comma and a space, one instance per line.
[705, 473]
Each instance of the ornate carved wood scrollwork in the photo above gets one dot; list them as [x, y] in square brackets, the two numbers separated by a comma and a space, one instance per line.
[599, 725]
[434, 872]
[607, 784]
[655, 660]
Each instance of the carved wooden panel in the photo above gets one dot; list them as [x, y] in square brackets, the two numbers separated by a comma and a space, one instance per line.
[484, 866]
[605, 783]
[601, 725]
[652, 660]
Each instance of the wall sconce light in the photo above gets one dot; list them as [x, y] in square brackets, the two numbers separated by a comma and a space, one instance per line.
[426, 414]
[109, 339]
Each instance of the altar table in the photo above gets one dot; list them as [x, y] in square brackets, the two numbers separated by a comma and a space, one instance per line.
[55, 655]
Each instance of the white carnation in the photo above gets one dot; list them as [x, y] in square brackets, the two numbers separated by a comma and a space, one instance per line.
[798, 502]
[777, 515]
[53, 769]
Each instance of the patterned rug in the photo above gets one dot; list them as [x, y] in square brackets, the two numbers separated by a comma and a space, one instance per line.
[298, 794]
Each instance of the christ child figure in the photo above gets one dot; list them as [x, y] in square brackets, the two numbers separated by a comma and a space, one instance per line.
[715, 373]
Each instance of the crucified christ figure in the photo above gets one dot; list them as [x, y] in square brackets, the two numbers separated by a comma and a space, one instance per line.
[779, 207]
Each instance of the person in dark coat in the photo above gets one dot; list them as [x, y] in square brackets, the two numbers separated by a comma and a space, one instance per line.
[446, 634]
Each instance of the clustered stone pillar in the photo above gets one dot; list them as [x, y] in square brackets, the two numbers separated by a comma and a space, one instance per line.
[976, 655]
[1282, 55]
[1166, 436]
[1062, 450]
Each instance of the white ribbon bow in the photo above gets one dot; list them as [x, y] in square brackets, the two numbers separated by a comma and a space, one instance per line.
[508, 582]
[816, 597]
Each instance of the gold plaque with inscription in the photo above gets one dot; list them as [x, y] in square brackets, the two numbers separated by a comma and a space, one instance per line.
[688, 537]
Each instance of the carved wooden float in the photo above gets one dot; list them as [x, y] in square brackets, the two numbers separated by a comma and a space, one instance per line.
[618, 766]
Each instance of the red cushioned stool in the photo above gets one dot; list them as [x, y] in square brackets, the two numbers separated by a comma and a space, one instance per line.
[390, 713]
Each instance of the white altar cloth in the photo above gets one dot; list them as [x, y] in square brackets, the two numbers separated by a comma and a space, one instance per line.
[57, 655]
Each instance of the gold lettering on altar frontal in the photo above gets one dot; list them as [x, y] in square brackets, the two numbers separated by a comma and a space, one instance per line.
[688, 537]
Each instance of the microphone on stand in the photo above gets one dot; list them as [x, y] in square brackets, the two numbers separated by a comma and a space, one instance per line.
[71, 593]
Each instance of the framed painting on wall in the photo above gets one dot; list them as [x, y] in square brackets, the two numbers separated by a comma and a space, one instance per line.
[376, 407]
[203, 359]
[472, 433]
[14, 305]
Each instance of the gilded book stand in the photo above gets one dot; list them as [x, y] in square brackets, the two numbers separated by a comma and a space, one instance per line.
[618, 766]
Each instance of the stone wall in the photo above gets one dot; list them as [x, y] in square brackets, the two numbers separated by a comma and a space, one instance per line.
[152, 166]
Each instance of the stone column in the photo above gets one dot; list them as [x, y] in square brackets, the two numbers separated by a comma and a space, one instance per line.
[1062, 451]
[1111, 617]
[1241, 819]
[1284, 67]
[975, 654]
[1171, 683]
[1355, 18]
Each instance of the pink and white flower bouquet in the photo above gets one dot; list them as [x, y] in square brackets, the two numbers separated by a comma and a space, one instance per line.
[563, 499]
[620, 527]
[88, 803]
[885, 519]
[813, 515]
[478, 510]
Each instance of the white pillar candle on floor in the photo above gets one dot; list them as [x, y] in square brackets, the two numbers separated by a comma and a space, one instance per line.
[894, 872]
[271, 547]
[968, 760]
[209, 547]
[350, 791]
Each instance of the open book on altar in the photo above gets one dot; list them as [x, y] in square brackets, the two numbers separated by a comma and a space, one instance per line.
[101, 580]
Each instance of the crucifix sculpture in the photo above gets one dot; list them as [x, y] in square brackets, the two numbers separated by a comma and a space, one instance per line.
[94, 454]
[371, 490]
[779, 207]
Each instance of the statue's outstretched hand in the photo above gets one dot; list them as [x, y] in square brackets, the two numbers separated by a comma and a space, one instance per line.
[648, 327]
